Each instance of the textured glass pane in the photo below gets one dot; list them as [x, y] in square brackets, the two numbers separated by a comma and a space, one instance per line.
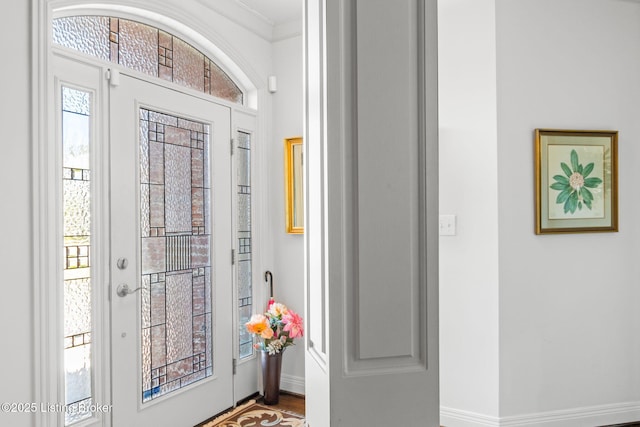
[188, 65]
[198, 296]
[156, 162]
[156, 213]
[86, 34]
[77, 383]
[179, 326]
[197, 165]
[144, 148]
[153, 255]
[206, 160]
[246, 340]
[177, 136]
[245, 289]
[244, 140]
[197, 210]
[138, 47]
[207, 290]
[77, 411]
[158, 347]
[77, 307]
[178, 188]
[146, 359]
[222, 86]
[78, 373]
[244, 167]
[176, 259]
[244, 279]
[75, 140]
[244, 212]
[145, 304]
[165, 56]
[163, 119]
[158, 303]
[199, 336]
[145, 213]
[75, 101]
[77, 207]
[146, 49]
[77, 289]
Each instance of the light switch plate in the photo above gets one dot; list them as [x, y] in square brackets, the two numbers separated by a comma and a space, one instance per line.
[447, 225]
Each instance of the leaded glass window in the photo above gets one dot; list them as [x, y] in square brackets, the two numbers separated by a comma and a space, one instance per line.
[76, 183]
[176, 253]
[145, 49]
[245, 289]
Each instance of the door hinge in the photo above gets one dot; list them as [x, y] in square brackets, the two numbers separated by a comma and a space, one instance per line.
[233, 257]
[235, 365]
[233, 143]
[109, 292]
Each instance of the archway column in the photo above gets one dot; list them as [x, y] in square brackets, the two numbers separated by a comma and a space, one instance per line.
[371, 213]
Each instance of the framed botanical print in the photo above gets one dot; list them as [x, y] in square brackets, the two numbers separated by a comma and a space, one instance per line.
[576, 181]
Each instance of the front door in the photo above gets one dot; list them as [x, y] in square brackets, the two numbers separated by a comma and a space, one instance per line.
[171, 272]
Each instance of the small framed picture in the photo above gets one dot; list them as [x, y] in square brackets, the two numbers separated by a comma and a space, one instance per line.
[576, 181]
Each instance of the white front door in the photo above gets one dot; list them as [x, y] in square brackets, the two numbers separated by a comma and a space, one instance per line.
[171, 272]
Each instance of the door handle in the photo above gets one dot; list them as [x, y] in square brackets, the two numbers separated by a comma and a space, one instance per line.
[123, 290]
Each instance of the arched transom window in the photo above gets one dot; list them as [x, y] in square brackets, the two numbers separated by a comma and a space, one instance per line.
[146, 49]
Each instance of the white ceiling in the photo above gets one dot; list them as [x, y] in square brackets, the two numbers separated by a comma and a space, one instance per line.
[275, 11]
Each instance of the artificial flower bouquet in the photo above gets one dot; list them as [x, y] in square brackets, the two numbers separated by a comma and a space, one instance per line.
[276, 328]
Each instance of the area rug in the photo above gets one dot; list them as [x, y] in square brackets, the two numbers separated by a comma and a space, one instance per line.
[253, 414]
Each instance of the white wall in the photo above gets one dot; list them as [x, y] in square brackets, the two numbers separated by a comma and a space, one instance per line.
[16, 359]
[288, 249]
[569, 318]
[556, 314]
[468, 189]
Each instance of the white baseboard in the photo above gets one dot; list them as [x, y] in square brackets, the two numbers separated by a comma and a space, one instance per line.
[450, 417]
[292, 384]
[577, 417]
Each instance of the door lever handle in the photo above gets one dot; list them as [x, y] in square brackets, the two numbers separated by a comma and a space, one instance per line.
[123, 290]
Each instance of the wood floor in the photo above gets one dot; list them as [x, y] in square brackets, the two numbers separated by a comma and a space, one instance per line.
[290, 402]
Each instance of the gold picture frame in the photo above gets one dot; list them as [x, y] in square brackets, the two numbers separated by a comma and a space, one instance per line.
[576, 181]
[293, 178]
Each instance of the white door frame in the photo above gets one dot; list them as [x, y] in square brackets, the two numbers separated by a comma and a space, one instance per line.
[46, 300]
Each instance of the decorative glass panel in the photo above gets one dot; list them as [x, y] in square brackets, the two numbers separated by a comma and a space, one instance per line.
[176, 253]
[146, 49]
[86, 34]
[76, 185]
[138, 46]
[245, 289]
[188, 65]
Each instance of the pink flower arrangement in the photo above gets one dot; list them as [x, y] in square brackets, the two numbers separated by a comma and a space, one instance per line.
[276, 329]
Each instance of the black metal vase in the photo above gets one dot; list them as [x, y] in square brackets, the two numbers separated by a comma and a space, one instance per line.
[271, 368]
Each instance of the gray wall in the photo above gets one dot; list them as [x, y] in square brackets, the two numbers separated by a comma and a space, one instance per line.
[16, 324]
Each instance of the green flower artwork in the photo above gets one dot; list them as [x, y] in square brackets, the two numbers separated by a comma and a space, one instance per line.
[574, 187]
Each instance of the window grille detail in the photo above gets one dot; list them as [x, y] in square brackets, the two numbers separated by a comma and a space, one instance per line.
[77, 286]
[177, 347]
[245, 288]
[145, 49]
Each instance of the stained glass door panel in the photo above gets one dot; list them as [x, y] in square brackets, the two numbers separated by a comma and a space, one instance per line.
[171, 214]
[175, 252]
